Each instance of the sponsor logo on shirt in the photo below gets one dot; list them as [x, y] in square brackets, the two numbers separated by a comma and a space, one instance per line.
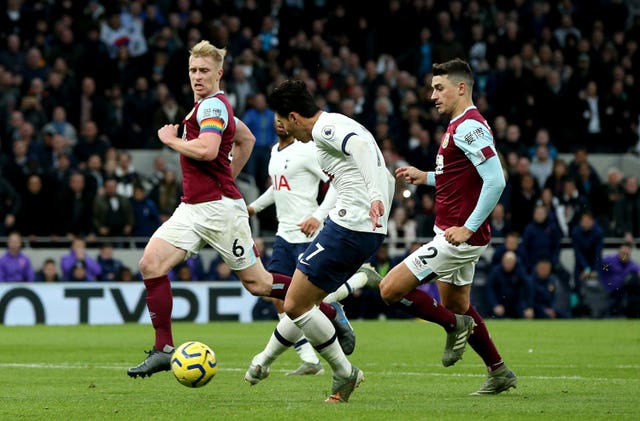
[473, 135]
[342, 212]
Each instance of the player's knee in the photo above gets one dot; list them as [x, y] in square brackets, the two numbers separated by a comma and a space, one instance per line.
[388, 293]
[147, 266]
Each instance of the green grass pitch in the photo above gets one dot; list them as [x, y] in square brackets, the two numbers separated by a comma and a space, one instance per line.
[568, 370]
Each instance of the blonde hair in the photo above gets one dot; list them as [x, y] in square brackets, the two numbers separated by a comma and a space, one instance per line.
[205, 49]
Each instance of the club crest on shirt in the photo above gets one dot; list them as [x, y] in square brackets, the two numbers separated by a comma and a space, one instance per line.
[328, 132]
[445, 141]
[342, 212]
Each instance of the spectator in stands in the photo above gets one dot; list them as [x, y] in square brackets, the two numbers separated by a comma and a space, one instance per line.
[168, 111]
[29, 221]
[94, 175]
[556, 180]
[401, 230]
[112, 212]
[146, 218]
[619, 273]
[523, 203]
[541, 239]
[626, 211]
[613, 191]
[48, 272]
[554, 210]
[167, 194]
[259, 119]
[90, 142]
[508, 290]
[500, 225]
[591, 114]
[78, 254]
[511, 243]
[61, 126]
[139, 106]
[220, 271]
[74, 209]
[587, 239]
[10, 203]
[572, 203]
[16, 167]
[541, 165]
[581, 156]
[545, 285]
[125, 275]
[110, 267]
[543, 137]
[126, 175]
[15, 266]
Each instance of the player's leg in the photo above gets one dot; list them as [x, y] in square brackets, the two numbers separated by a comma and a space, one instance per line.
[365, 275]
[277, 345]
[457, 299]
[165, 249]
[300, 306]
[399, 288]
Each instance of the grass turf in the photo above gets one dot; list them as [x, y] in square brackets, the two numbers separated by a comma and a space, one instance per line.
[583, 369]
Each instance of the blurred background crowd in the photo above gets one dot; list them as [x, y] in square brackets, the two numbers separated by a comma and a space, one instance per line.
[84, 86]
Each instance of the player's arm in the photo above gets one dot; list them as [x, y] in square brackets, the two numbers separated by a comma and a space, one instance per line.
[203, 148]
[212, 118]
[243, 143]
[327, 204]
[265, 200]
[412, 175]
[482, 153]
[366, 158]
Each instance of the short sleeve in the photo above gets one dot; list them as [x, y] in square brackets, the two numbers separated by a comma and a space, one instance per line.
[475, 140]
[212, 116]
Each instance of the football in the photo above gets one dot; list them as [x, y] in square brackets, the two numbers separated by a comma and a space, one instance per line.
[194, 364]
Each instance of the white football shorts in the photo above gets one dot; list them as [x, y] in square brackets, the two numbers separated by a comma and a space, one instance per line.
[223, 224]
[443, 261]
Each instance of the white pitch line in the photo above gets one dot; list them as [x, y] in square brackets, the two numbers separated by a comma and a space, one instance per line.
[381, 372]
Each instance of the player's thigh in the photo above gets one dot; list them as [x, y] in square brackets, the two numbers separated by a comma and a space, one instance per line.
[438, 259]
[284, 256]
[224, 225]
[456, 298]
[397, 283]
[336, 254]
[159, 257]
[302, 295]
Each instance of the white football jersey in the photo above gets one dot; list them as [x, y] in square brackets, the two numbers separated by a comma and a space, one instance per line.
[295, 175]
[331, 134]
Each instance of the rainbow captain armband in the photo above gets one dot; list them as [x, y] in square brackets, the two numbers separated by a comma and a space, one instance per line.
[213, 124]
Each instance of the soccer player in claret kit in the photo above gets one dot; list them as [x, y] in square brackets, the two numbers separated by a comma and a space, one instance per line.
[212, 210]
[469, 181]
[296, 177]
[354, 230]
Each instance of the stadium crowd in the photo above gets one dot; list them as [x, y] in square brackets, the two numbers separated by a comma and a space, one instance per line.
[82, 83]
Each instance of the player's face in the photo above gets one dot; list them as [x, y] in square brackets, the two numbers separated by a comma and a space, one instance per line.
[445, 94]
[204, 76]
[277, 124]
[292, 127]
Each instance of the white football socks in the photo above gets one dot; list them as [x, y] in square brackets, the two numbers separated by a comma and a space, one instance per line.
[319, 330]
[357, 281]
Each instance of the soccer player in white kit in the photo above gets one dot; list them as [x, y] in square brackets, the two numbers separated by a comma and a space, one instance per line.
[295, 181]
[354, 230]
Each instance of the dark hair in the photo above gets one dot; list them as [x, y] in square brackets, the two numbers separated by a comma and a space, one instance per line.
[292, 95]
[457, 70]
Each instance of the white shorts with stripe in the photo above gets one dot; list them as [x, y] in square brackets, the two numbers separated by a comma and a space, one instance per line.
[443, 261]
[223, 224]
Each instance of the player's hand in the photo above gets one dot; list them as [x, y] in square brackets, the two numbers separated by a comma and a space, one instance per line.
[412, 175]
[251, 211]
[376, 211]
[167, 133]
[457, 235]
[309, 226]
